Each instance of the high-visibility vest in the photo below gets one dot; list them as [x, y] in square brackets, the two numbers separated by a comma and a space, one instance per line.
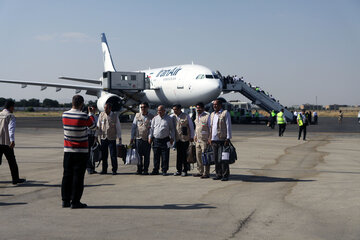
[273, 114]
[300, 120]
[256, 114]
[280, 118]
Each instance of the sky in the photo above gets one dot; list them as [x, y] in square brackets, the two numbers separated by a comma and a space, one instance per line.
[305, 51]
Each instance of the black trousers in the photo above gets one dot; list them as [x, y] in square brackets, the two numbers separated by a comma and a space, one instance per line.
[282, 128]
[105, 145]
[72, 186]
[162, 151]
[221, 167]
[143, 148]
[302, 128]
[10, 156]
[89, 165]
[181, 154]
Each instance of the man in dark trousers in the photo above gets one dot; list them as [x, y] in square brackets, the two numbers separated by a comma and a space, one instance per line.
[108, 130]
[76, 124]
[7, 140]
[162, 135]
[281, 121]
[302, 122]
[184, 129]
[220, 135]
[140, 134]
[91, 137]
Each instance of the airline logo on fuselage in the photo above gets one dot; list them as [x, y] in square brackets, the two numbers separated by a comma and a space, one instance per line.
[169, 72]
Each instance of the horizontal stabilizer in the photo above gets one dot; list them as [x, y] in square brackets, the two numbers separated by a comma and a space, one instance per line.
[82, 80]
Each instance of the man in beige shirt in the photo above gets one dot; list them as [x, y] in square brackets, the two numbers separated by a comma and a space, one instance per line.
[108, 130]
[202, 132]
[140, 131]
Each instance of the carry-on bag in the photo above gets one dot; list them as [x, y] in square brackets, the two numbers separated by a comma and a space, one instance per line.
[191, 153]
[207, 157]
[132, 157]
[229, 153]
[95, 154]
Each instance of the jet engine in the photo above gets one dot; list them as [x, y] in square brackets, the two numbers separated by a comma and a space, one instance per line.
[114, 99]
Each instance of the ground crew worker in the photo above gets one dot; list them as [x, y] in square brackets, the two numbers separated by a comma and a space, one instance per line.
[248, 117]
[256, 116]
[7, 140]
[302, 122]
[220, 135]
[202, 131]
[184, 129]
[140, 134]
[272, 119]
[109, 129]
[162, 135]
[315, 117]
[340, 117]
[281, 121]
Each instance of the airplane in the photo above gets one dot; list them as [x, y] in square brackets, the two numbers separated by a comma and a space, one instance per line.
[185, 84]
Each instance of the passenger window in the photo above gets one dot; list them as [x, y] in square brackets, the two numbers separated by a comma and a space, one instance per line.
[124, 77]
[133, 77]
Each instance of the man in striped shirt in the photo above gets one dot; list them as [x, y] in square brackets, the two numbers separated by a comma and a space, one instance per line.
[76, 124]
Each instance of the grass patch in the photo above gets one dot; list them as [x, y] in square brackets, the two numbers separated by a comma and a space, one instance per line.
[38, 114]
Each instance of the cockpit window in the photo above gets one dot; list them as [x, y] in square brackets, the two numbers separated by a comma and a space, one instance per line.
[200, 76]
[216, 76]
[209, 76]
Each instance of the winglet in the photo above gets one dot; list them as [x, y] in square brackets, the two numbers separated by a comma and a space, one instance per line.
[108, 62]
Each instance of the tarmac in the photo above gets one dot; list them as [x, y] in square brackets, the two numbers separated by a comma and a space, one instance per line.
[279, 188]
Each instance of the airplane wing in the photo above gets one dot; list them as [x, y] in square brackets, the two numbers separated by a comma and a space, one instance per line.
[82, 80]
[91, 90]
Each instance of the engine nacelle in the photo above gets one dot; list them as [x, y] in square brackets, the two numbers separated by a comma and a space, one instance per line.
[114, 99]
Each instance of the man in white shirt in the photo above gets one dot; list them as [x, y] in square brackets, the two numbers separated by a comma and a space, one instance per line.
[7, 140]
[220, 136]
[162, 136]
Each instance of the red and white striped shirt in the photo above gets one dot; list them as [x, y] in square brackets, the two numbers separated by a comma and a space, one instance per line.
[75, 125]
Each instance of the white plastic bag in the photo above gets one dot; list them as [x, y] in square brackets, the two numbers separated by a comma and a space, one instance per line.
[132, 157]
[225, 156]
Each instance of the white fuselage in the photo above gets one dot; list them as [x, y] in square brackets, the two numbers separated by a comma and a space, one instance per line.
[183, 84]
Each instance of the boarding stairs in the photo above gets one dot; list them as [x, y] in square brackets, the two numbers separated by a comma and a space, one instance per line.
[257, 97]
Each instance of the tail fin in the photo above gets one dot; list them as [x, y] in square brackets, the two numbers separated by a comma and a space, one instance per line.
[108, 62]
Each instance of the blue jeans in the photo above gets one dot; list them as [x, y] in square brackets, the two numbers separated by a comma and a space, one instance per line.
[105, 146]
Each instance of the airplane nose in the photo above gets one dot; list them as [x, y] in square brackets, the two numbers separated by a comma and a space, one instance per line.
[213, 87]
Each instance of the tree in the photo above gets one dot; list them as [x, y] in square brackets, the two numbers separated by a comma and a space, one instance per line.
[22, 103]
[33, 102]
[50, 103]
